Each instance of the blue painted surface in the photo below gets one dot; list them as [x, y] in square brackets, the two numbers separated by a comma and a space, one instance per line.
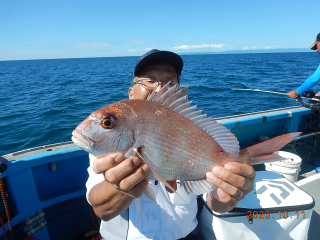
[40, 159]
[47, 154]
[248, 129]
[33, 186]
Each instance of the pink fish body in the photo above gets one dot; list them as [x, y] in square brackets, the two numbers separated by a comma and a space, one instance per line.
[175, 140]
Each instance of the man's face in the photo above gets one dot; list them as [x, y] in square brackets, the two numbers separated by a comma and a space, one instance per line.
[162, 73]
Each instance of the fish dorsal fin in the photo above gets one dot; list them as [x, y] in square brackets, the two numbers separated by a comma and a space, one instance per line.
[193, 113]
[188, 110]
[159, 95]
[222, 136]
[172, 99]
[163, 96]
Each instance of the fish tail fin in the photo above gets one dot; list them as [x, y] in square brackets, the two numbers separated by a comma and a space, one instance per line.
[263, 152]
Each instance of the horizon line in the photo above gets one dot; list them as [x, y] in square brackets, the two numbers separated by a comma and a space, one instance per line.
[246, 51]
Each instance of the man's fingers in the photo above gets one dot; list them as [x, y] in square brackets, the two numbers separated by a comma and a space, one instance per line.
[128, 175]
[225, 198]
[138, 189]
[244, 170]
[226, 179]
[126, 167]
[235, 179]
[293, 94]
[129, 182]
[101, 165]
[232, 190]
[234, 182]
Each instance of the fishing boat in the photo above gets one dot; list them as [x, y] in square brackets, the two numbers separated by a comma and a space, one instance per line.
[43, 188]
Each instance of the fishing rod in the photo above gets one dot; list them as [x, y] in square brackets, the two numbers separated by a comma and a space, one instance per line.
[258, 90]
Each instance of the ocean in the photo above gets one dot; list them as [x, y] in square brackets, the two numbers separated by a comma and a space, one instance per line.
[42, 101]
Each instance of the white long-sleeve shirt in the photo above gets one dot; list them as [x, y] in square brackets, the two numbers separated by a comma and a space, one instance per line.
[168, 219]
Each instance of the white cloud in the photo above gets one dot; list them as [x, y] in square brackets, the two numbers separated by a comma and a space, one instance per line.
[199, 47]
[90, 45]
[270, 47]
[134, 50]
[255, 47]
[249, 48]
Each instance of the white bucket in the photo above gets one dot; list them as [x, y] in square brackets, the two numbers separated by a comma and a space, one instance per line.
[289, 168]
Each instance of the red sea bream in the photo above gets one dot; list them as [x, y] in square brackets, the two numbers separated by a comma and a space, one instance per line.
[177, 141]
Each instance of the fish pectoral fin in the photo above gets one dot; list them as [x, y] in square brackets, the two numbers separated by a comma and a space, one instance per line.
[158, 176]
[150, 193]
[161, 179]
[131, 152]
[173, 184]
[199, 186]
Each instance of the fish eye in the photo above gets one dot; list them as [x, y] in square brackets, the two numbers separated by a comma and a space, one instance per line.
[108, 122]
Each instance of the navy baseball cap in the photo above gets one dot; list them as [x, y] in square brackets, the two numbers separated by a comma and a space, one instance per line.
[314, 45]
[155, 56]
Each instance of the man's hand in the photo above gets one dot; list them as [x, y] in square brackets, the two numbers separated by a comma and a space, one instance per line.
[125, 179]
[234, 182]
[293, 94]
[317, 96]
[127, 175]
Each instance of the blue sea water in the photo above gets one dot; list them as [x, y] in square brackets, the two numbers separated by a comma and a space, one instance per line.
[42, 101]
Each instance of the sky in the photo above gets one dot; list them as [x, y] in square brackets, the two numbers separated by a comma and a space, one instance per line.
[49, 29]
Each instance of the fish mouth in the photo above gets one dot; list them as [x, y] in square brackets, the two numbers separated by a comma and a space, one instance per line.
[81, 140]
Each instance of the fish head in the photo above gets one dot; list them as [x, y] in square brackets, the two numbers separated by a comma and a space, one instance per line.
[107, 130]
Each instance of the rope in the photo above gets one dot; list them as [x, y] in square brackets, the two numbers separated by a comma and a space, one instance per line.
[6, 205]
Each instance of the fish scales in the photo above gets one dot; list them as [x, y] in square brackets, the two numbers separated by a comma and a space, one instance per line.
[175, 146]
[182, 145]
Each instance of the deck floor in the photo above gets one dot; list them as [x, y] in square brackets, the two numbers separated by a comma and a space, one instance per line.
[308, 181]
[311, 186]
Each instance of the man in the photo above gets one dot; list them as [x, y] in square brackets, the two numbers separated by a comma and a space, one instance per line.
[311, 81]
[116, 185]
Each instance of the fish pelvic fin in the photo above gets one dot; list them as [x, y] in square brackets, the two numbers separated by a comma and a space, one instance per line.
[198, 187]
[263, 152]
[150, 193]
[158, 176]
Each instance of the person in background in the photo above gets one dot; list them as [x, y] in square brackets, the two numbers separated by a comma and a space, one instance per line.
[116, 185]
[311, 81]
